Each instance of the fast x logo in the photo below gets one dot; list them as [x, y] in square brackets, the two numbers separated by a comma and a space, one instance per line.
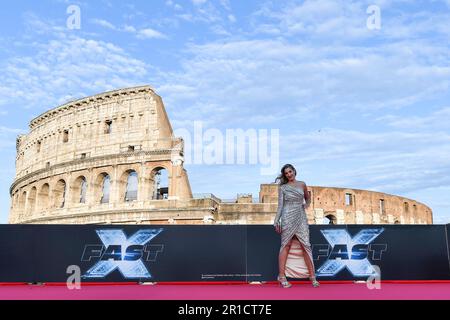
[120, 252]
[348, 252]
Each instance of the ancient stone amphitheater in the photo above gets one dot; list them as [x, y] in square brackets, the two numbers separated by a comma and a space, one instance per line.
[113, 159]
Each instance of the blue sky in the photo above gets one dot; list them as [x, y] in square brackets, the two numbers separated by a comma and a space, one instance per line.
[355, 107]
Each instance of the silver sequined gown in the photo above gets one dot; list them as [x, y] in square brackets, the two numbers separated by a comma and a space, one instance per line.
[294, 223]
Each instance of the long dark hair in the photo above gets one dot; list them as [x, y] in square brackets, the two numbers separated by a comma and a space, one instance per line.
[282, 177]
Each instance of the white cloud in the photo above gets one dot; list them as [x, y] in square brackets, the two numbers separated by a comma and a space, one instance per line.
[394, 161]
[305, 80]
[67, 67]
[104, 23]
[226, 4]
[146, 33]
[333, 20]
[8, 139]
[437, 120]
[174, 5]
[150, 34]
[128, 28]
[205, 13]
[345, 21]
[6, 130]
[186, 17]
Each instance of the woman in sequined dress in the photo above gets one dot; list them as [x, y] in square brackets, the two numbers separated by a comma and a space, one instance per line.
[295, 257]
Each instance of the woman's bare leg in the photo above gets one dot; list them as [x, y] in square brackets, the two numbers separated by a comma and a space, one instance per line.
[309, 263]
[282, 257]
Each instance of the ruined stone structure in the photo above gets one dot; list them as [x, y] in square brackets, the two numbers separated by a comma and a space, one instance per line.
[353, 206]
[101, 160]
[98, 159]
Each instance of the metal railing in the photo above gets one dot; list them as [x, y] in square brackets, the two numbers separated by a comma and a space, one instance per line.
[206, 196]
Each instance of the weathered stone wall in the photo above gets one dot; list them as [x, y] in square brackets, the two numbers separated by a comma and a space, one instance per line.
[354, 206]
[111, 135]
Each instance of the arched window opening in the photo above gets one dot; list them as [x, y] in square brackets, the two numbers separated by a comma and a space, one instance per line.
[83, 190]
[330, 219]
[43, 197]
[106, 184]
[132, 187]
[160, 184]
[60, 194]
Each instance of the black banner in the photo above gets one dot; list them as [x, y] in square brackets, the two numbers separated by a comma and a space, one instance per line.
[448, 243]
[159, 253]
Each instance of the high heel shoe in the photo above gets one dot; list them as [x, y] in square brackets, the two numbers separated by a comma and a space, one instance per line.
[283, 282]
[314, 282]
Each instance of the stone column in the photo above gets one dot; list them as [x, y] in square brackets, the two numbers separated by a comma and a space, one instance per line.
[359, 217]
[376, 218]
[146, 187]
[318, 216]
[390, 218]
[90, 194]
[70, 196]
[174, 176]
[340, 216]
[114, 193]
[142, 183]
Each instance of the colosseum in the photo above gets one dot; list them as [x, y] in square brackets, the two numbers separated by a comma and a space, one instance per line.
[113, 159]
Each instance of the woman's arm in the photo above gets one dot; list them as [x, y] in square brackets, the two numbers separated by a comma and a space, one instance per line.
[280, 205]
[307, 196]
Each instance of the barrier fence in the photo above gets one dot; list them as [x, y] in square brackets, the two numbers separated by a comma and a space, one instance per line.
[159, 253]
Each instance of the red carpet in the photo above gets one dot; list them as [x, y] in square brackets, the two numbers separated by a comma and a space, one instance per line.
[302, 291]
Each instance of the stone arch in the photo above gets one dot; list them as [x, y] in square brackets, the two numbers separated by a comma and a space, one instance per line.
[32, 197]
[59, 194]
[102, 188]
[43, 197]
[128, 186]
[79, 190]
[329, 218]
[159, 179]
